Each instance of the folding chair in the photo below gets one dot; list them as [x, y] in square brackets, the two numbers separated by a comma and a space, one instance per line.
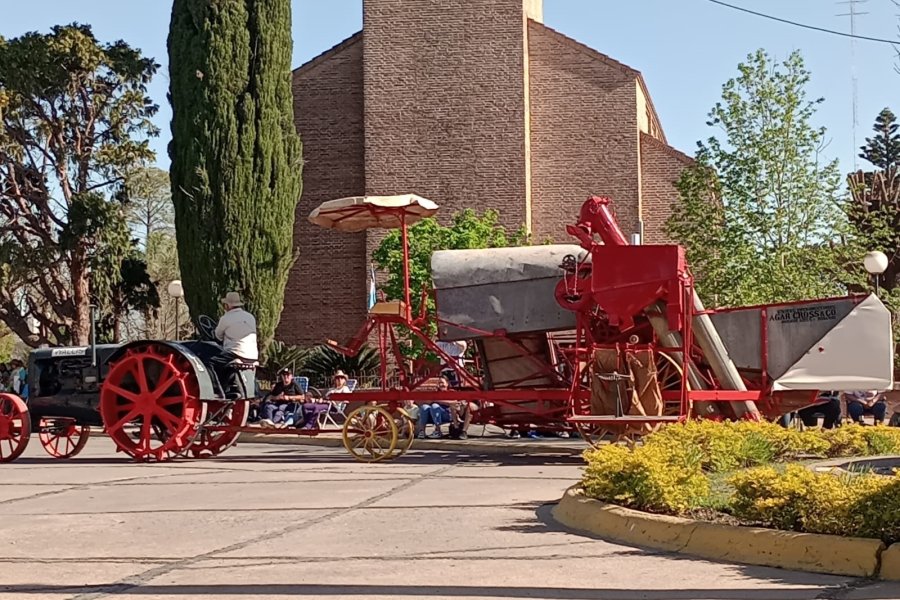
[336, 415]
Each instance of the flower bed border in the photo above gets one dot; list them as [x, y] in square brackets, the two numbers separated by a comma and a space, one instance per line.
[818, 553]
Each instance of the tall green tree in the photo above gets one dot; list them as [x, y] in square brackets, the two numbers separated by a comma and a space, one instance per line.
[236, 156]
[75, 117]
[761, 213]
[883, 149]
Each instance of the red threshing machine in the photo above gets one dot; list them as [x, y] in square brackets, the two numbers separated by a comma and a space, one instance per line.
[598, 337]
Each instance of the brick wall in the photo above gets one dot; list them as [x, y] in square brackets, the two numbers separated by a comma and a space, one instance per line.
[444, 106]
[326, 292]
[661, 165]
[584, 133]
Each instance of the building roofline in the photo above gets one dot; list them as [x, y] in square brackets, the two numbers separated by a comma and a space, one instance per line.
[678, 154]
[334, 50]
[608, 60]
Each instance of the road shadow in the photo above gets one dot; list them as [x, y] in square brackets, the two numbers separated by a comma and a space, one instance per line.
[439, 590]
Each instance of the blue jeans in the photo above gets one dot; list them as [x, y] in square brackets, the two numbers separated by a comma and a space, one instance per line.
[437, 413]
[858, 409]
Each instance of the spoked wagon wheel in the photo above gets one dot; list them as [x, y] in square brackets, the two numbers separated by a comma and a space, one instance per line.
[63, 437]
[155, 388]
[669, 375]
[370, 433]
[15, 427]
[593, 433]
[223, 414]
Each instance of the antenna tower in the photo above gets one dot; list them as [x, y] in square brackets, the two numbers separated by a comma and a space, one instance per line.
[853, 13]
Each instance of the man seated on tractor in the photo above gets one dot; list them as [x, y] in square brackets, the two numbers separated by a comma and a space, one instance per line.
[864, 402]
[281, 402]
[237, 332]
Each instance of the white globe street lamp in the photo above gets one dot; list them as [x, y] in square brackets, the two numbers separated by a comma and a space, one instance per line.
[176, 290]
[875, 263]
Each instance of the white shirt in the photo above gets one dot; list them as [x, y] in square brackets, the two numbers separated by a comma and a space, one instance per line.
[237, 331]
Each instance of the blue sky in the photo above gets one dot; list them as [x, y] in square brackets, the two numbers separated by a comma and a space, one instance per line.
[686, 49]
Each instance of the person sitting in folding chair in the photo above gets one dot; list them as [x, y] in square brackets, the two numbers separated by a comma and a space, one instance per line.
[335, 407]
[281, 402]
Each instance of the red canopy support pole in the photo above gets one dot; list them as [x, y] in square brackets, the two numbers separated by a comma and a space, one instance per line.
[405, 235]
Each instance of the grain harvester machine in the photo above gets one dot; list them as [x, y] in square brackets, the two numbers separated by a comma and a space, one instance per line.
[653, 353]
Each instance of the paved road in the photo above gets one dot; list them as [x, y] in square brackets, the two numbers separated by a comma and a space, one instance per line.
[280, 521]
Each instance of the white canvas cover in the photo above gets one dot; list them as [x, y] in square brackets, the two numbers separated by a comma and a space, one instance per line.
[358, 213]
[857, 354]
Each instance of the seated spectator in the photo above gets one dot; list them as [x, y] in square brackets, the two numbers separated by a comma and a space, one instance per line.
[461, 413]
[281, 401]
[829, 406]
[437, 412]
[863, 402]
[340, 384]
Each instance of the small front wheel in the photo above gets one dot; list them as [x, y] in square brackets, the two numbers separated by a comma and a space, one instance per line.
[370, 433]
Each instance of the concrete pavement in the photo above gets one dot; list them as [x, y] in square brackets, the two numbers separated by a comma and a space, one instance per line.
[298, 521]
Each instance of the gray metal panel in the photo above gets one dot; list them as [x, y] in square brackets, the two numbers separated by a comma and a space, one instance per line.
[500, 288]
[739, 330]
[792, 329]
[466, 268]
[517, 307]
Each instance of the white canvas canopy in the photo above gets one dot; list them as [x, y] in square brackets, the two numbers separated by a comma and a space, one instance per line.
[856, 354]
[358, 213]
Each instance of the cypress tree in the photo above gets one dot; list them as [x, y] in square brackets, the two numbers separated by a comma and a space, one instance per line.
[236, 156]
[883, 149]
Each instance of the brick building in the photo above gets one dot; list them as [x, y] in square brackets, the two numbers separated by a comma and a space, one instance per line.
[470, 103]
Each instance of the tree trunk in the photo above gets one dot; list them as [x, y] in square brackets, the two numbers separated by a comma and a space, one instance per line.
[81, 324]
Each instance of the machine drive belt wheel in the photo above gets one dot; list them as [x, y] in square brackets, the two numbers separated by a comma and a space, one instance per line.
[15, 427]
[370, 433]
[150, 402]
[62, 437]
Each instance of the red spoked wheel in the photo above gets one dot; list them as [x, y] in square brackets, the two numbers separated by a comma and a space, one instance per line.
[63, 437]
[212, 442]
[154, 388]
[15, 427]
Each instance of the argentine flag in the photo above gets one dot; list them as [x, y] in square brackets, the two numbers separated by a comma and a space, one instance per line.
[372, 298]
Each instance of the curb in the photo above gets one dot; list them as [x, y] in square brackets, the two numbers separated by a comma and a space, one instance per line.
[890, 563]
[817, 553]
[470, 446]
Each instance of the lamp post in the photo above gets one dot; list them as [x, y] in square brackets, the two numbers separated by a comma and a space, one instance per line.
[875, 263]
[176, 291]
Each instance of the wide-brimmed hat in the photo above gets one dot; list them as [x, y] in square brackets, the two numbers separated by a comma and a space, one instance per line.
[339, 373]
[232, 299]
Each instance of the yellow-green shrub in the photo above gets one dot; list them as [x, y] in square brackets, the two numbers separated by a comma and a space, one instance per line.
[646, 478]
[855, 440]
[859, 505]
[726, 446]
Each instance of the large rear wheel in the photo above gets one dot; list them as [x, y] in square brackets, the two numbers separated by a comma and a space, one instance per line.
[15, 427]
[153, 389]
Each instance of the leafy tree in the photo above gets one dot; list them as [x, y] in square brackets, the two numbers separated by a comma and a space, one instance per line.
[467, 230]
[235, 153]
[149, 206]
[761, 213]
[74, 118]
[883, 149]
